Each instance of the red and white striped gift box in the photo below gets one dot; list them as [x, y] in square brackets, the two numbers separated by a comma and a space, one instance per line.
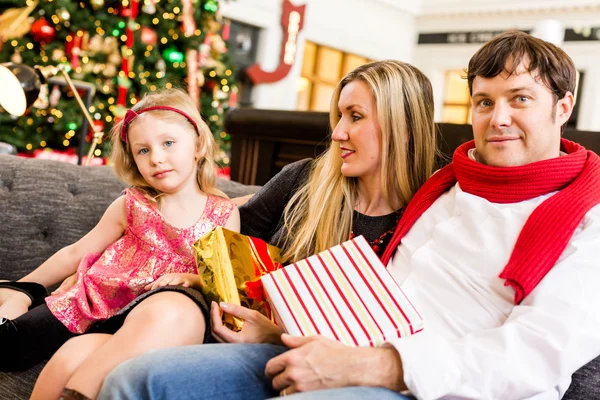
[343, 293]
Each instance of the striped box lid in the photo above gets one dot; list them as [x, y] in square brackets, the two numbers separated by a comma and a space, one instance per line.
[343, 293]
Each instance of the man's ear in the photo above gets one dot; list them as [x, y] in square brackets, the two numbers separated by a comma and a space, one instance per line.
[564, 108]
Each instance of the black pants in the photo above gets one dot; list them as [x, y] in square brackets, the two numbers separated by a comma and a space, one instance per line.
[36, 335]
[31, 338]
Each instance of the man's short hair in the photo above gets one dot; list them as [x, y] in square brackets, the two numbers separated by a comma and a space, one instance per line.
[553, 66]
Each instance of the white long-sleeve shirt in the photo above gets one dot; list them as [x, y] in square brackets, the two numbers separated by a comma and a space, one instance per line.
[476, 343]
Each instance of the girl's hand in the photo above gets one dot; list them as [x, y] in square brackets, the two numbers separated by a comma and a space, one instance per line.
[257, 328]
[66, 285]
[185, 280]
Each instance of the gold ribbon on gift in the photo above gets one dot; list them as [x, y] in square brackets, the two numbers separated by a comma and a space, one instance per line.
[230, 265]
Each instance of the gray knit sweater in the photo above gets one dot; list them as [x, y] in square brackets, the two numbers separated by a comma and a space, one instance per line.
[262, 215]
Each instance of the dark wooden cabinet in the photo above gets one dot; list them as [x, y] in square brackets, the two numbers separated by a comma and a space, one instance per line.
[264, 141]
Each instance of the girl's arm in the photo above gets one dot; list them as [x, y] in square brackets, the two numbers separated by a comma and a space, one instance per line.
[64, 262]
[233, 223]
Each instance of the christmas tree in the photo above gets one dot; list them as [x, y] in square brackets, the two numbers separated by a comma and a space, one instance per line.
[126, 48]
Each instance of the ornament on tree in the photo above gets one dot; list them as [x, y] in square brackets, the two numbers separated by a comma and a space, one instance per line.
[110, 45]
[63, 15]
[188, 25]
[226, 30]
[114, 58]
[132, 26]
[110, 70]
[124, 82]
[88, 67]
[42, 31]
[213, 26]
[42, 101]
[193, 77]
[217, 45]
[98, 68]
[98, 127]
[57, 54]
[14, 22]
[233, 97]
[95, 45]
[16, 57]
[97, 4]
[173, 55]
[75, 45]
[107, 87]
[209, 85]
[119, 111]
[218, 94]
[161, 66]
[211, 6]
[149, 7]
[119, 29]
[149, 36]
[55, 96]
[204, 52]
[200, 78]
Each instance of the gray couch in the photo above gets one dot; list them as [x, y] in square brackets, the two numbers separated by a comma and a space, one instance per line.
[45, 205]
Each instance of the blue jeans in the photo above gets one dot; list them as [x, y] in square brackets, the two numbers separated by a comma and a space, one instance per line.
[211, 371]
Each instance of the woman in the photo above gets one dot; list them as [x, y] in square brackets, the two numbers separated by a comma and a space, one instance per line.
[383, 150]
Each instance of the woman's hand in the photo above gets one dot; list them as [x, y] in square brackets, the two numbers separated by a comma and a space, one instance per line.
[66, 285]
[185, 280]
[257, 328]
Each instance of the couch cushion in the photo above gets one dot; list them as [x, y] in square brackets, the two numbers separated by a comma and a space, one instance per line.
[19, 385]
[47, 205]
[586, 382]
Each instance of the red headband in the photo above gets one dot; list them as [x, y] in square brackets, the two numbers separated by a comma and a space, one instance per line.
[130, 115]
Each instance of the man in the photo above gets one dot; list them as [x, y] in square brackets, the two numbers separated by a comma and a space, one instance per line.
[502, 266]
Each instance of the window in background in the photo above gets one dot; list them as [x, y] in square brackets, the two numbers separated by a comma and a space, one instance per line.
[322, 69]
[457, 101]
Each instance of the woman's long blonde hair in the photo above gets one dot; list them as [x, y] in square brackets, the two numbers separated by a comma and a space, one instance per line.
[122, 157]
[319, 215]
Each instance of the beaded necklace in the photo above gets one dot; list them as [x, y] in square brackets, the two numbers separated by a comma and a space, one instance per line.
[379, 244]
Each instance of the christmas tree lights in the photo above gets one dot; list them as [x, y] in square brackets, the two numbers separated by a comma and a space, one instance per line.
[126, 48]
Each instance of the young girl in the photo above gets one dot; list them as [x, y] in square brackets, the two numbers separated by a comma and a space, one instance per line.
[143, 242]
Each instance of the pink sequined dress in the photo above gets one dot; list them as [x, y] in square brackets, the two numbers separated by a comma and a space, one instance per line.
[148, 249]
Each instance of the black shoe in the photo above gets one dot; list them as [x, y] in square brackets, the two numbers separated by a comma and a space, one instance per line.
[36, 292]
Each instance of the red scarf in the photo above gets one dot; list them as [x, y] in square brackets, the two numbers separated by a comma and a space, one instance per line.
[550, 226]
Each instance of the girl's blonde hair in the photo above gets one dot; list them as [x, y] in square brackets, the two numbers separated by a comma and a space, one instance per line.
[122, 157]
[319, 215]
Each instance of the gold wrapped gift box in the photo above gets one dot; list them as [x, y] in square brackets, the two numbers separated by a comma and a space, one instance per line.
[231, 265]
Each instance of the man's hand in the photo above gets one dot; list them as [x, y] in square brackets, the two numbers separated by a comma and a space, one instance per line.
[185, 280]
[315, 363]
[66, 285]
[257, 328]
